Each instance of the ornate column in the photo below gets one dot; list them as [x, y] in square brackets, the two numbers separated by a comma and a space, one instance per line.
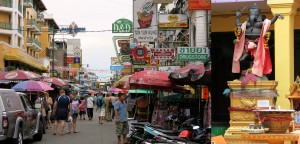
[284, 47]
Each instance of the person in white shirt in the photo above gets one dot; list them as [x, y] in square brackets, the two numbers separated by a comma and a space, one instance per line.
[90, 106]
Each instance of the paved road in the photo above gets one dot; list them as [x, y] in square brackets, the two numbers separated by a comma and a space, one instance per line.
[90, 132]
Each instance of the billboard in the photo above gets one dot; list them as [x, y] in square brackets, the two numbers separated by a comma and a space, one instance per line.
[144, 21]
[173, 21]
[73, 48]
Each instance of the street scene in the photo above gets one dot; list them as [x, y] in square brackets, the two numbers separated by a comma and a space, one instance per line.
[150, 71]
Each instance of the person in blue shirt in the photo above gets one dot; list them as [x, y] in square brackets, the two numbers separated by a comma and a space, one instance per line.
[120, 109]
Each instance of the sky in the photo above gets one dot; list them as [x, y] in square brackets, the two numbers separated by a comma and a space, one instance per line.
[94, 15]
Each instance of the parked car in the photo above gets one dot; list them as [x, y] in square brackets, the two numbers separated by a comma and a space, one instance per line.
[20, 119]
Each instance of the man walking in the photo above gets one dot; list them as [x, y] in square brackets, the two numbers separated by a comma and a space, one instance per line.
[62, 106]
[90, 106]
[120, 109]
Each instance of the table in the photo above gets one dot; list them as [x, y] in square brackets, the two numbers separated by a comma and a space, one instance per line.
[272, 138]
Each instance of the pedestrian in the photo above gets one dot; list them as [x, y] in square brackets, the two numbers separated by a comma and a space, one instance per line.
[90, 106]
[50, 103]
[102, 108]
[108, 107]
[82, 108]
[75, 108]
[120, 108]
[113, 100]
[62, 106]
[41, 100]
[97, 101]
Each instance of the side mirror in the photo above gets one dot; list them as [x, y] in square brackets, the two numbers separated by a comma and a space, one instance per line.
[195, 127]
[38, 106]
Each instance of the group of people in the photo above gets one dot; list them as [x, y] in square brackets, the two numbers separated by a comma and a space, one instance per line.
[67, 109]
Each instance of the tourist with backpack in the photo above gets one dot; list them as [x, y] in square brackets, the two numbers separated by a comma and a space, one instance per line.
[102, 104]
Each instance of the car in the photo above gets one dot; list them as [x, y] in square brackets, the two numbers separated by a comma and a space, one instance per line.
[20, 119]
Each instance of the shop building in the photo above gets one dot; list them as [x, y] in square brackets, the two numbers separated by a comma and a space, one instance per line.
[283, 44]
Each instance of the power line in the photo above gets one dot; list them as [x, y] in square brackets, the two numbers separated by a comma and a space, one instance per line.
[108, 30]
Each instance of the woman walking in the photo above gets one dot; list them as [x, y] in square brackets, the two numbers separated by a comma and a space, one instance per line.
[50, 103]
[108, 107]
[82, 107]
[74, 112]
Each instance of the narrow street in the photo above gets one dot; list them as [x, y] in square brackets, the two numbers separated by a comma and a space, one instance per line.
[90, 132]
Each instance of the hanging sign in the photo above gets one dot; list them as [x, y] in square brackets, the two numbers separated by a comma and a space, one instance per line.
[205, 93]
[199, 4]
[122, 26]
[192, 53]
[163, 53]
[140, 52]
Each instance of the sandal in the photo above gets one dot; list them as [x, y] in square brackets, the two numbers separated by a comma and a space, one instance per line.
[68, 132]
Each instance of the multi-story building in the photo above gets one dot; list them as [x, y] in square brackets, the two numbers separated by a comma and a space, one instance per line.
[19, 35]
[60, 61]
[49, 28]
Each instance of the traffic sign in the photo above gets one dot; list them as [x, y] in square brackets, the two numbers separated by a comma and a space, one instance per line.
[76, 53]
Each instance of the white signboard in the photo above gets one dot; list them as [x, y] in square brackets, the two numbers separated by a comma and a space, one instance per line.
[145, 21]
[168, 69]
[114, 61]
[73, 48]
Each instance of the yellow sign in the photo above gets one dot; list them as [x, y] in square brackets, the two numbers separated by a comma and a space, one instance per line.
[173, 21]
[174, 24]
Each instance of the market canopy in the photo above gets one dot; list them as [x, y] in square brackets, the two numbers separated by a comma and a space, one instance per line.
[191, 74]
[56, 81]
[19, 75]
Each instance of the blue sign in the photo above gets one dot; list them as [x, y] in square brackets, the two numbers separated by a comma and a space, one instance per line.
[132, 45]
[53, 71]
[76, 59]
[116, 67]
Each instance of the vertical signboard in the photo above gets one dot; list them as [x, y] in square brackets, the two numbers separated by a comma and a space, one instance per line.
[145, 21]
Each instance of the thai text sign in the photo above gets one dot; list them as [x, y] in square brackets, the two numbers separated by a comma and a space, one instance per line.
[199, 4]
[192, 53]
[144, 21]
[114, 61]
[163, 53]
[173, 21]
[122, 26]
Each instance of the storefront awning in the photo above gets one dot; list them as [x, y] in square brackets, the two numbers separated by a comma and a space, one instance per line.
[141, 91]
[15, 54]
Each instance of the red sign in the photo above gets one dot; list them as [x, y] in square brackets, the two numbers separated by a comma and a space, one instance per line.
[70, 60]
[140, 53]
[154, 62]
[205, 93]
[199, 4]
[163, 53]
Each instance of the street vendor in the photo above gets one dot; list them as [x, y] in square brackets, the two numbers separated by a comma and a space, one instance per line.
[252, 42]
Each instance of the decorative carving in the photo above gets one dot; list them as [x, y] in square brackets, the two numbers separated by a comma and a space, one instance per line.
[295, 88]
[248, 102]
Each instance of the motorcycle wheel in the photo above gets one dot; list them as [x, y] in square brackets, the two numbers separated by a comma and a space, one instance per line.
[133, 140]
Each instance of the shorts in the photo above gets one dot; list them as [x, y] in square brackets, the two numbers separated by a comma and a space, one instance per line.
[102, 112]
[82, 112]
[122, 128]
[61, 114]
[74, 115]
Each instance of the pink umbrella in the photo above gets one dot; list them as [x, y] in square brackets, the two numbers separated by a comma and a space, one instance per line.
[32, 86]
[116, 90]
[19, 75]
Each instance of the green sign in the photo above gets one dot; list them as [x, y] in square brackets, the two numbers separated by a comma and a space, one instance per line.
[122, 26]
[192, 53]
[125, 58]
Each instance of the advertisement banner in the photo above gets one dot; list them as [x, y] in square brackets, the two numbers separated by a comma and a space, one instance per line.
[199, 4]
[114, 61]
[163, 53]
[122, 26]
[124, 46]
[193, 53]
[70, 60]
[116, 67]
[173, 21]
[144, 21]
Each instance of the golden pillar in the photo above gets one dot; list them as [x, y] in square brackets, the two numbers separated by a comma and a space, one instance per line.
[284, 47]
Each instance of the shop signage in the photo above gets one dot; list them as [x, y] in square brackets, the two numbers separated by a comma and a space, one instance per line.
[163, 53]
[114, 61]
[154, 62]
[138, 69]
[140, 62]
[73, 48]
[125, 58]
[199, 4]
[139, 52]
[76, 59]
[150, 68]
[124, 47]
[116, 67]
[192, 53]
[70, 60]
[173, 21]
[145, 21]
[122, 26]
[168, 69]
[205, 93]
[73, 29]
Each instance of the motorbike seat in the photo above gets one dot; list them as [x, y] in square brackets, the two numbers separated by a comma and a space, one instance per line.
[168, 132]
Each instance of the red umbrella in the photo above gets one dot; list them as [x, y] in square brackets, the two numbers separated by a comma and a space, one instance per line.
[19, 75]
[150, 79]
[56, 81]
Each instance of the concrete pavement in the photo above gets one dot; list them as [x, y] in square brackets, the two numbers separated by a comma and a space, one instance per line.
[90, 132]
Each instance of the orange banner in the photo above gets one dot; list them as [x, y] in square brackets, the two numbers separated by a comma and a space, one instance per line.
[199, 4]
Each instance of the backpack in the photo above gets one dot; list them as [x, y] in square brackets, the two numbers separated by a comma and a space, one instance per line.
[99, 102]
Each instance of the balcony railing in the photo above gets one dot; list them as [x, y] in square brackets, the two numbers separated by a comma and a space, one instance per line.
[5, 25]
[6, 3]
[20, 29]
[20, 8]
[33, 22]
[33, 40]
[40, 17]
